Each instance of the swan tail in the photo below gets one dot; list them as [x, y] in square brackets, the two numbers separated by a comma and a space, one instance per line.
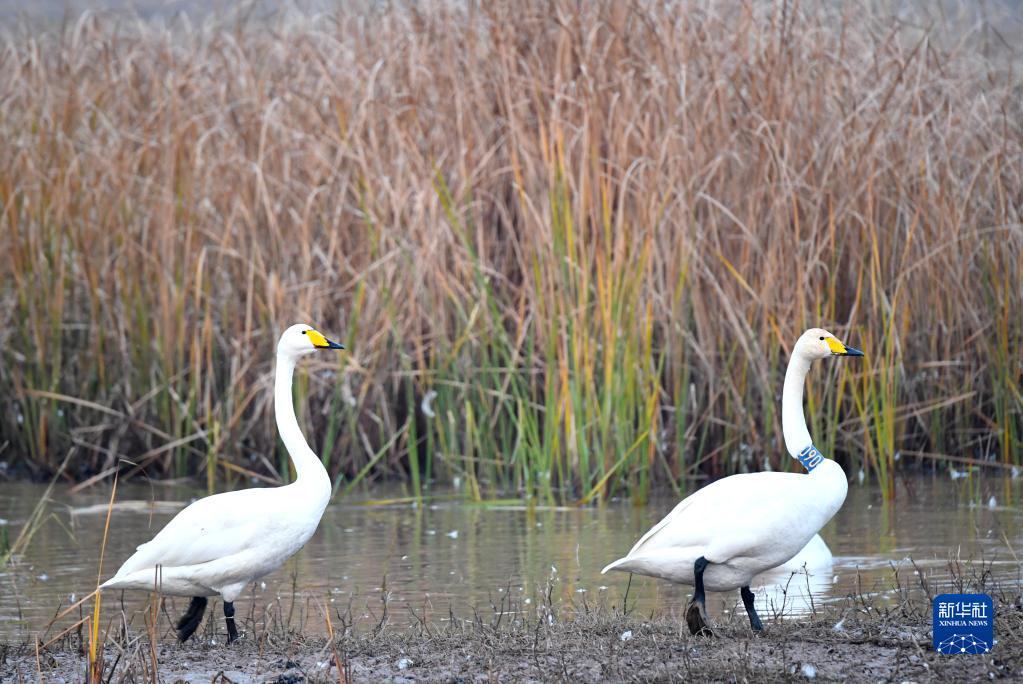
[169, 581]
[617, 565]
[122, 581]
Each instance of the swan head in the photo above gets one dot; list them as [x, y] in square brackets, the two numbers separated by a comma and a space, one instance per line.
[818, 343]
[302, 339]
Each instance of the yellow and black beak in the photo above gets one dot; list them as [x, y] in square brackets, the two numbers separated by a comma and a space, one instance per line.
[839, 349]
[321, 342]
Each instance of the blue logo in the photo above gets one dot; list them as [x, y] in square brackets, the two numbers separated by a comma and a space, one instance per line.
[963, 623]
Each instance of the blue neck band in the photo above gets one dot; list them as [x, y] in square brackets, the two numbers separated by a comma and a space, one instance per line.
[810, 458]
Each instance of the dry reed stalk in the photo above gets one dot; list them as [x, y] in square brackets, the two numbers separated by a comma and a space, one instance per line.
[95, 646]
[333, 647]
[590, 227]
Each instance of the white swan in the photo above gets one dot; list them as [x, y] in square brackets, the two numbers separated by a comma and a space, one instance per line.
[792, 585]
[219, 544]
[814, 556]
[723, 535]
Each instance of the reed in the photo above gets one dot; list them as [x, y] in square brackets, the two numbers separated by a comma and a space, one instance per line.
[588, 233]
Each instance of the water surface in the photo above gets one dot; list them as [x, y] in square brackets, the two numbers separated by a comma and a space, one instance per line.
[446, 558]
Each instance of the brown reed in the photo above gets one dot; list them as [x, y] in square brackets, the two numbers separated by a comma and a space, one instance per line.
[591, 229]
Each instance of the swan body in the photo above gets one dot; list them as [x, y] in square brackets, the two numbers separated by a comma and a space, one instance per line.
[815, 556]
[794, 583]
[724, 534]
[737, 524]
[219, 544]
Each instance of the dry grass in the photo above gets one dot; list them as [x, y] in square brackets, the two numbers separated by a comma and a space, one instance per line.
[591, 230]
[880, 634]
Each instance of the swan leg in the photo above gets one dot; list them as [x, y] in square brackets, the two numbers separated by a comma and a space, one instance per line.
[747, 600]
[696, 613]
[232, 631]
[192, 618]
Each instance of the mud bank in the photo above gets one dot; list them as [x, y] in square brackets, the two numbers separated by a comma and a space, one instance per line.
[852, 643]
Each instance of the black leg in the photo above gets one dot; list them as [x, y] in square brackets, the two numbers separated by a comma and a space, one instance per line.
[698, 567]
[747, 600]
[696, 613]
[192, 618]
[232, 631]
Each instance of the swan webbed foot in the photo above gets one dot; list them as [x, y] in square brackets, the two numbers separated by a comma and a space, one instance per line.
[192, 618]
[232, 630]
[696, 613]
[696, 619]
[747, 600]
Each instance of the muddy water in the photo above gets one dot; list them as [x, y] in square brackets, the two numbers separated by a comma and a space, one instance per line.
[448, 557]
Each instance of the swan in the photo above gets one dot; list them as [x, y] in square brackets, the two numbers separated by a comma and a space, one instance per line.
[721, 536]
[814, 556]
[792, 585]
[219, 544]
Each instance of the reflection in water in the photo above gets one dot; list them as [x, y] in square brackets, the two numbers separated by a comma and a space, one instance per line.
[815, 556]
[456, 556]
[792, 587]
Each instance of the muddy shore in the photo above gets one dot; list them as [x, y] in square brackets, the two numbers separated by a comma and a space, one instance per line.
[859, 641]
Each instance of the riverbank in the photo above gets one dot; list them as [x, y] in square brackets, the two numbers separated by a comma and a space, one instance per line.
[880, 637]
[593, 648]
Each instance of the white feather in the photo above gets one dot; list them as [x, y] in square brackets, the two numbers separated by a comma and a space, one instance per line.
[747, 524]
[219, 544]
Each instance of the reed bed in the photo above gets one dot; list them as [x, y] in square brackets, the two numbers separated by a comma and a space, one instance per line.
[568, 245]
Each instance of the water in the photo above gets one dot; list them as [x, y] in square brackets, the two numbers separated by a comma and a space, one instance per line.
[452, 556]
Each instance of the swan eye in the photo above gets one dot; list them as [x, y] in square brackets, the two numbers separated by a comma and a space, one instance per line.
[822, 339]
[305, 331]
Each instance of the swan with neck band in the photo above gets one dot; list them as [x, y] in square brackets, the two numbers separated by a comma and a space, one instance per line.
[218, 545]
[723, 535]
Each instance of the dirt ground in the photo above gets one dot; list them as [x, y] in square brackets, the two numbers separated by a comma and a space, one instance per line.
[858, 643]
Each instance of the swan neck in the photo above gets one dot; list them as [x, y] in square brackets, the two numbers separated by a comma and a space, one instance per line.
[797, 436]
[307, 466]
